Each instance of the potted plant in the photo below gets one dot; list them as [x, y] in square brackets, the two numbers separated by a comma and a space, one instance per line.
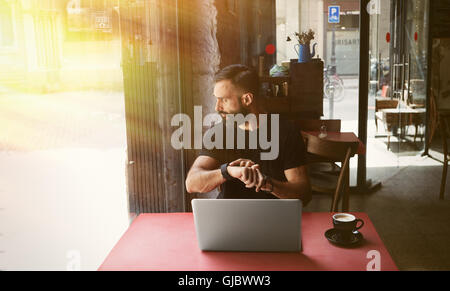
[302, 48]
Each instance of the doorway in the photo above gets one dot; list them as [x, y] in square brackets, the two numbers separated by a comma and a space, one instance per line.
[398, 48]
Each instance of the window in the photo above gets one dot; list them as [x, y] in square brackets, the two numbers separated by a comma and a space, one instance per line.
[7, 37]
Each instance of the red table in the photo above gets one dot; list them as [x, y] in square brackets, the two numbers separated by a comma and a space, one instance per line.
[168, 242]
[344, 137]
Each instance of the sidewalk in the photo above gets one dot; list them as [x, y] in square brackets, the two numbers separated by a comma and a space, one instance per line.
[90, 119]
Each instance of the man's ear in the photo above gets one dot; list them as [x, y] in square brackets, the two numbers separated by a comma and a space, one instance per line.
[247, 99]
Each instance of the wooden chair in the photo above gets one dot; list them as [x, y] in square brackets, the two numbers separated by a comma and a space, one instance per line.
[443, 123]
[333, 125]
[331, 151]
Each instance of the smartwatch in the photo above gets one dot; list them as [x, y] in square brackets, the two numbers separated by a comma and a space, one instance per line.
[224, 171]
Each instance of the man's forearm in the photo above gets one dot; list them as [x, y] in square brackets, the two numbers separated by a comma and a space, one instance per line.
[291, 190]
[203, 181]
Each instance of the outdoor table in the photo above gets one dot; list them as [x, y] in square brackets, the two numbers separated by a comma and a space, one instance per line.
[168, 242]
[403, 117]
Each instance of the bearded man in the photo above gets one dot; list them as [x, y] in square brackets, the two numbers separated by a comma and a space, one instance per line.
[241, 173]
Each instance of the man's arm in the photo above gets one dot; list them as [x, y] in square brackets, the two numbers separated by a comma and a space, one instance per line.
[205, 175]
[297, 185]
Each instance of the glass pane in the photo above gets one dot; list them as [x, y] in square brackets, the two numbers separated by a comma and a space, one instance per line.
[397, 86]
[62, 134]
[382, 159]
[336, 27]
[7, 36]
[337, 46]
[416, 48]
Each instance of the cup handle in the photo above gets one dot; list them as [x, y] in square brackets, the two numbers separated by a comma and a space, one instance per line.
[362, 223]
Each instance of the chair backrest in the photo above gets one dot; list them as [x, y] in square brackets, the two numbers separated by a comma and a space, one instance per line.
[329, 149]
[385, 103]
[334, 151]
[444, 124]
[333, 125]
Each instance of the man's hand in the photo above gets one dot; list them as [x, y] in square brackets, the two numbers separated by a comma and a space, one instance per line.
[251, 176]
[242, 163]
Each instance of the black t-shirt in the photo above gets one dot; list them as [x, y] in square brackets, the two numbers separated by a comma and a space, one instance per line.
[292, 154]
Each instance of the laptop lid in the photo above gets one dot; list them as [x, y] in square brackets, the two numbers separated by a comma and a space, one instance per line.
[256, 225]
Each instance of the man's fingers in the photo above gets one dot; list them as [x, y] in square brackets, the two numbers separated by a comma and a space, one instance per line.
[255, 176]
[251, 178]
[255, 179]
[246, 163]
[256, 166]
[242, 163]
[248, 177]
[260, 180]
[235, 163]
[244, 174]
[251, 174]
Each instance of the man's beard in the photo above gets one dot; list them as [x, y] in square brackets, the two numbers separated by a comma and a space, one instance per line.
[242, 110]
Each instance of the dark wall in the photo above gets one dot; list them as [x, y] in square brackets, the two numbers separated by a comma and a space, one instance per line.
[244, 29]
[228, 31]
[439, 18]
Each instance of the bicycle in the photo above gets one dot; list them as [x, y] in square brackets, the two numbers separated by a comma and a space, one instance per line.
[333, 85]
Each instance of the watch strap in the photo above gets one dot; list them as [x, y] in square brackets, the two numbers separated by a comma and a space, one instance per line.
[224, 171]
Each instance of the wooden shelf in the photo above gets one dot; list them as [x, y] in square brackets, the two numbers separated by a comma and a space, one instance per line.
[278, 104]
[305, 91]
[274, 80]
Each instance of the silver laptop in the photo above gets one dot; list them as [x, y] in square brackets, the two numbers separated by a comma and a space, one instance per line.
[255, 225]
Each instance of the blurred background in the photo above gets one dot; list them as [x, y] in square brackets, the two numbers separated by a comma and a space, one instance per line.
[62, 134]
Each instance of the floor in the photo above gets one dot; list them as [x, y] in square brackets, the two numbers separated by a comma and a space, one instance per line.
[407, 213]
[63, 202]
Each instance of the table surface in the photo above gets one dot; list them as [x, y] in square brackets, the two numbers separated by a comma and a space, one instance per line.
[343, 137]
[167, 242]
[404, 110]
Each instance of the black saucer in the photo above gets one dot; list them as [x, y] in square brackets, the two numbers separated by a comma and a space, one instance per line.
[334, 237]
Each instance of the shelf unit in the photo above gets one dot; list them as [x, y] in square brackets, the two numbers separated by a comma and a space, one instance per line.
[305, 91]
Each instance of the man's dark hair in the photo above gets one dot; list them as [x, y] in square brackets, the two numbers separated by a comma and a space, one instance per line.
[241, 76]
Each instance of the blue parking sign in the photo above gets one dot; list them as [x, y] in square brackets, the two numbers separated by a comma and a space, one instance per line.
[333, 14]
